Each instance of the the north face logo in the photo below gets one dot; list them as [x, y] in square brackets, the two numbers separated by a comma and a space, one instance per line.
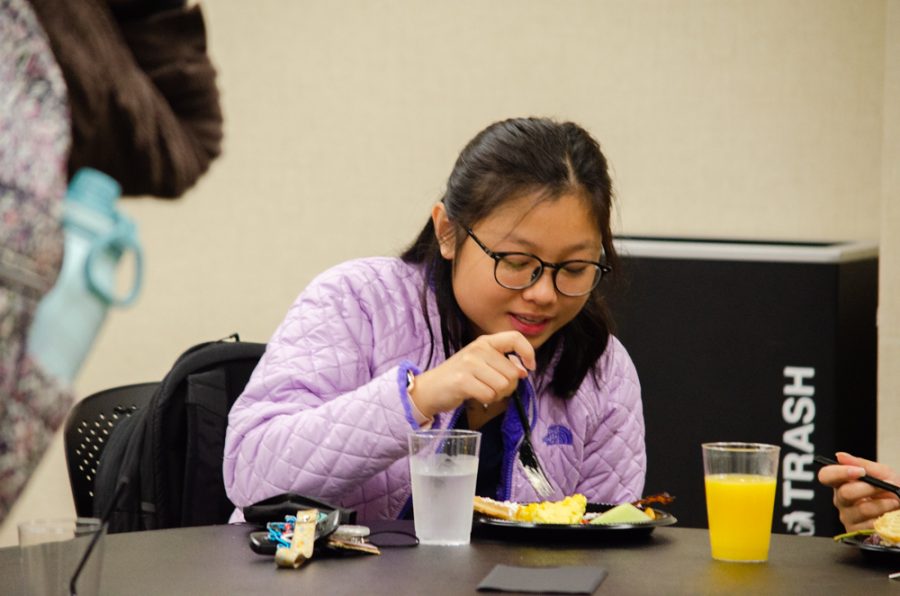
[558, 434]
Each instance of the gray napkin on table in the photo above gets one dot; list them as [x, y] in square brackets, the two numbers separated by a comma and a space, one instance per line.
[580, 579]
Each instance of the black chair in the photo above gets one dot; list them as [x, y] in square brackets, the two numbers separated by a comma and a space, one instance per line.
[87, 429]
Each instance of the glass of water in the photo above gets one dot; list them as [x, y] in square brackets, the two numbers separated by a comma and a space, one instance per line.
[51, 551]
[443, 465]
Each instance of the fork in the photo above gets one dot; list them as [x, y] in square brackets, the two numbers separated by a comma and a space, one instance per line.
[533, 470]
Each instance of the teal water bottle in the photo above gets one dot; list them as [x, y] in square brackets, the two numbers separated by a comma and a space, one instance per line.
[97, 236]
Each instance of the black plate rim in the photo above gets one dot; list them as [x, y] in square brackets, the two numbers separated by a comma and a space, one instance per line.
[665, 519]
[860, 543]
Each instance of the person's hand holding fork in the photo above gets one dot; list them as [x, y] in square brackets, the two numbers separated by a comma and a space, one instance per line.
[481, 371]
[859, 503]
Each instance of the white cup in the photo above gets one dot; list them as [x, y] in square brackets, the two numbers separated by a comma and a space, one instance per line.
[443, 465]
[51, 551]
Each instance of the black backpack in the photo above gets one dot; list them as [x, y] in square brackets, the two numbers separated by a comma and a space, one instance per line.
[162, 466]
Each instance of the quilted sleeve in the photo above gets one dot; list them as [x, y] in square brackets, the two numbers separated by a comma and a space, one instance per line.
[316, 417]
[615, 458]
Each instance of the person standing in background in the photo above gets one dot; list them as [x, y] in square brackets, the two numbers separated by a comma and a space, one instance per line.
[122, 86]
[35, 133]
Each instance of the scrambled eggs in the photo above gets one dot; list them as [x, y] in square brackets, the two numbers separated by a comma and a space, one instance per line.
[568, 511]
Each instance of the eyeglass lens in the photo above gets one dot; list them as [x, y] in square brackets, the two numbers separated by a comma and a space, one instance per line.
[518, 271]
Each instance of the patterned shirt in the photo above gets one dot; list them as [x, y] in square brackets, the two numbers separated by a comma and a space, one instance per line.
[35, 128]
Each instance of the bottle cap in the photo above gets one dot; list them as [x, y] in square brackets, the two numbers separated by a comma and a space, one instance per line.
[94, 188]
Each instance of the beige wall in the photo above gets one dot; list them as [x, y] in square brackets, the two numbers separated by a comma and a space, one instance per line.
[729, 118]
[889, 278]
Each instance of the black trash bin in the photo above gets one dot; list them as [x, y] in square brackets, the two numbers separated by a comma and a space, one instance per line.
[751, 341]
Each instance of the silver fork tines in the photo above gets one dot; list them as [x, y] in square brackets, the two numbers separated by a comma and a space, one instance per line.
[538, 480]
[532, 466]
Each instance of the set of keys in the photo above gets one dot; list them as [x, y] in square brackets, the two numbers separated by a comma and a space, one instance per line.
[293, 540]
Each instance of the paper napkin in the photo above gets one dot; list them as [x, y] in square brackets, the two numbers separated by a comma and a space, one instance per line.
[580, 579]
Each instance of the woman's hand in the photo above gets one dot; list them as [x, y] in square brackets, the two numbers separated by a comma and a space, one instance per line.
[859, 503]
[481, 371]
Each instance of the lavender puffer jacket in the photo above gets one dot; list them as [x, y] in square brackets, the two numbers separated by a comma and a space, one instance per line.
[326, 412]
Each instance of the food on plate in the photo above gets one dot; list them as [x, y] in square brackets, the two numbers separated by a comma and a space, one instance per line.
[887, 527]
[568, 511]
[885, 532]
[661, 498]
[498, 509]
[626, 513]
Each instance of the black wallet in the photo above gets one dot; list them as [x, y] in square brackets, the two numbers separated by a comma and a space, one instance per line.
[275, 508]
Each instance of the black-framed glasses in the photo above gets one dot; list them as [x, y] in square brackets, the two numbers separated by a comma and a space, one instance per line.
[520, 270]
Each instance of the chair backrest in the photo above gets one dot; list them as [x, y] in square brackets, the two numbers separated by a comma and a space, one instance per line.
[87, 431]
[162, 467]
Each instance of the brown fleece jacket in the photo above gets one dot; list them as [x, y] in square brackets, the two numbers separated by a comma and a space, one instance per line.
[142, 93]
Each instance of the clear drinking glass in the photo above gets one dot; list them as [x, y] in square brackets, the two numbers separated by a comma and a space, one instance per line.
[443, 465]
[740, 498]
[51, 550]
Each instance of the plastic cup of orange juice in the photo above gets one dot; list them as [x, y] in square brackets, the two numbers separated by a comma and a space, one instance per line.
[740, 497]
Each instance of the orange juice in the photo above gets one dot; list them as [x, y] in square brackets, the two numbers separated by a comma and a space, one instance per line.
[739, 508]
